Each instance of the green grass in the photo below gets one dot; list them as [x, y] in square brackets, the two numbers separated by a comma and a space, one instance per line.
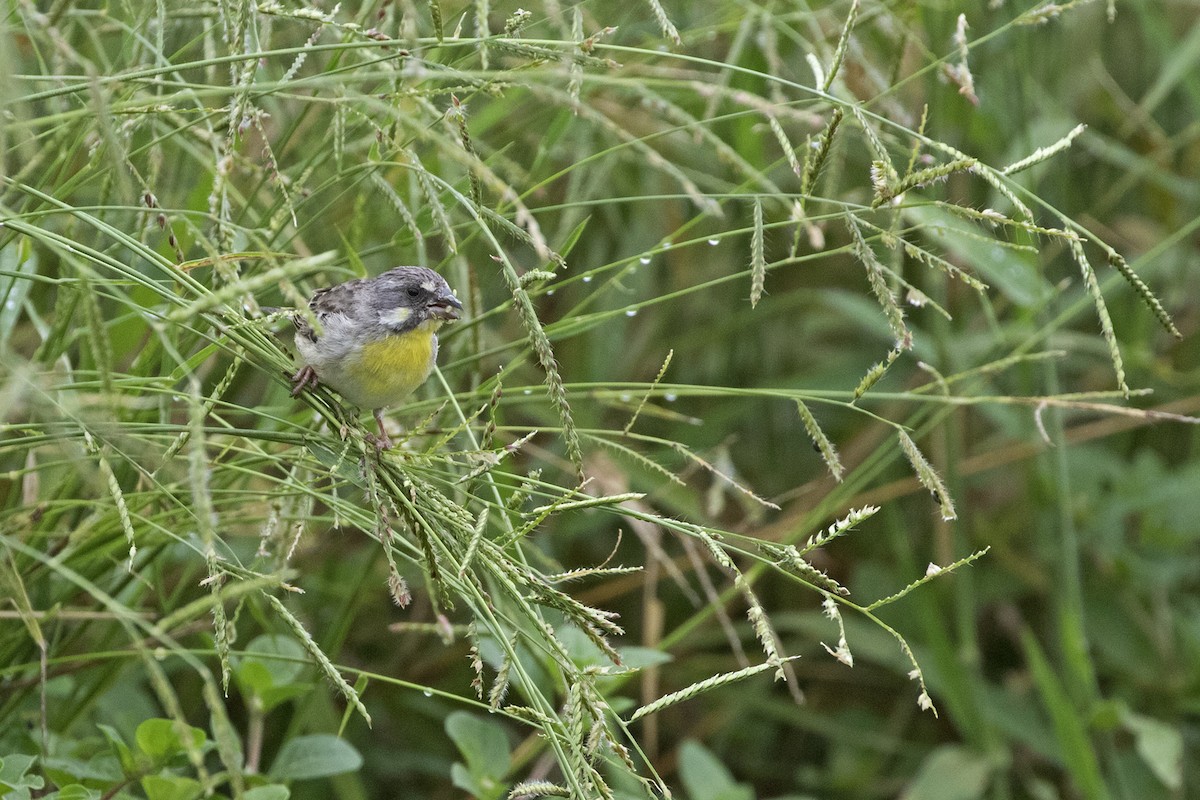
[769, 310]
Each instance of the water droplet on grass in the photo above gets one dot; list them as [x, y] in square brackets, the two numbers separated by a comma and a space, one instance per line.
[644, 259]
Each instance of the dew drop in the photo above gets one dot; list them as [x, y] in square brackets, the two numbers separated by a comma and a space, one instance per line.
[670, 397]
[527, 391]
[549, 292]
[587, 278]
[626, 398]
[631, 312]
[644, 259]
[428, 693]
[714, 242]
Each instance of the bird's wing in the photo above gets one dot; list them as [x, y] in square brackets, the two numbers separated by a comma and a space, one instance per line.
[340, 299]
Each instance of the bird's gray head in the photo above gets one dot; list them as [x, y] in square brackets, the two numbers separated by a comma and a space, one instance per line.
[406, 297]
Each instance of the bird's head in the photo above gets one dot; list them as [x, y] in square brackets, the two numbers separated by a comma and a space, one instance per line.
[409, 297]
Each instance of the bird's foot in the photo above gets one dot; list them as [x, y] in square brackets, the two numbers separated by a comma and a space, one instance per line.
[305, 378]
[382, 441]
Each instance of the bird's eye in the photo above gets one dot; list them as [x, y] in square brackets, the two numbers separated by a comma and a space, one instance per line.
[414, 292]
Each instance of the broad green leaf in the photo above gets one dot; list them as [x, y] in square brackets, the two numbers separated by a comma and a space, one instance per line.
[12, 774]
[283, 656]
[463, 779]
[74, 791]
[480, 787]
[272, 791]
[120, 749]
[159, 739]
[64, 770]
[269, 669]
[950, 773]
[316, 756]
[255, 679]
[641, 657]
[1161, 746]
[705, 777]
[583, 651]
[482, 742]
[171, 787]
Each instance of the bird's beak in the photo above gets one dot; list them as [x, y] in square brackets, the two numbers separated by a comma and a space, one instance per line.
[445, 307]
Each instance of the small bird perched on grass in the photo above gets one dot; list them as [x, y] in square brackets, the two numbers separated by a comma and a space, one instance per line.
[377, 338]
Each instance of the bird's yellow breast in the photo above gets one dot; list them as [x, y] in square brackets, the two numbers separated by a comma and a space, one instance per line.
[388, 370]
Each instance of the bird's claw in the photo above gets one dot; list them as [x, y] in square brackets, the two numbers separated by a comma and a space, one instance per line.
[305, 378]
[382, 441]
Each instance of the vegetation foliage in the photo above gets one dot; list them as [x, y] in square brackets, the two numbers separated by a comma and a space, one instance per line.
[776, 317]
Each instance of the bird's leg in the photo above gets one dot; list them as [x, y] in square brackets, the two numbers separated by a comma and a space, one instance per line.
[305, 378]
[383, 442]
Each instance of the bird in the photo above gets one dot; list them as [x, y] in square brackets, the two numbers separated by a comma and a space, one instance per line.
[375, 340]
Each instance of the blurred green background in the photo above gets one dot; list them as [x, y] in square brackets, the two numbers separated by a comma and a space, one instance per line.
[167, 167]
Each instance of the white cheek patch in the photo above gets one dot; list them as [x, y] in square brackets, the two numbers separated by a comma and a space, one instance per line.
[396, 316]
